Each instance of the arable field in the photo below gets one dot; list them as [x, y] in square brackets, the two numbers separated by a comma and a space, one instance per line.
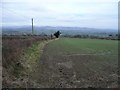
[81, 63]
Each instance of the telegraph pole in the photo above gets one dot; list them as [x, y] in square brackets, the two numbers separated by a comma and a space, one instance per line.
[32, 27]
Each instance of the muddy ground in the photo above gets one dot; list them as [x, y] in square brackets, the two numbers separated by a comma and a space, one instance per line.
[75, 72]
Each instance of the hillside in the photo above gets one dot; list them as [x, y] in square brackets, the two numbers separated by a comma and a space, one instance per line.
[65, 30]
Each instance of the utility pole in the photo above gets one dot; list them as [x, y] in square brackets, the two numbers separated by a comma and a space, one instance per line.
[32, 27]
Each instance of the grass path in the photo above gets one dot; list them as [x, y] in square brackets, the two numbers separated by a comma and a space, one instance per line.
[26, 74]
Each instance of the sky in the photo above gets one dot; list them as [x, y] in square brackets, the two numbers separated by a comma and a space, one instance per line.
[71, 13]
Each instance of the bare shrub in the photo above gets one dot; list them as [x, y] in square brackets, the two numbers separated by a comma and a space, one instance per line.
[12, 46]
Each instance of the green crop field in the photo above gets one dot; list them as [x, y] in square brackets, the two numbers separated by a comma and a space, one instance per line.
[68, 46]
[70, 62]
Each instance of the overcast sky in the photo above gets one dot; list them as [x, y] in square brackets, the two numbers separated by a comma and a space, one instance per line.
[80, 13]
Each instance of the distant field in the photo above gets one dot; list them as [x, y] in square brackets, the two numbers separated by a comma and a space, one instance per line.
[70, 62]
[69, 46]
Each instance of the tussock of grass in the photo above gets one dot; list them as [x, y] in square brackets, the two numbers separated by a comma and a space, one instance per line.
[33, 54]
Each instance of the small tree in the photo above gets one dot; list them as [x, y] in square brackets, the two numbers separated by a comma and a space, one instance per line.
[57, 34]
[110, 35]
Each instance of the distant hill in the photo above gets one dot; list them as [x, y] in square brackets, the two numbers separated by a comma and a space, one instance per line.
[50, 30]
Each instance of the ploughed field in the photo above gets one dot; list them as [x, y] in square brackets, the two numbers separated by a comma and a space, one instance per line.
[71, 63]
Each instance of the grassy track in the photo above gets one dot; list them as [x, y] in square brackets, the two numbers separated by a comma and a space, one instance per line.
[69, 62]
[27, 73]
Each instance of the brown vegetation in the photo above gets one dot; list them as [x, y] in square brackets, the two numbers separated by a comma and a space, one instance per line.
[109, 37]
[12, 46]
[12, 49]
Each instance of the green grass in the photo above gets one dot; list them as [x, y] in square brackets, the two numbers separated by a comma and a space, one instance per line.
[32, 55]
[104, 51]
[82, 46]
[29, 58]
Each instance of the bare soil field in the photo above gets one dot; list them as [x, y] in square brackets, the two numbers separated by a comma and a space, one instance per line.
[66, 63]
